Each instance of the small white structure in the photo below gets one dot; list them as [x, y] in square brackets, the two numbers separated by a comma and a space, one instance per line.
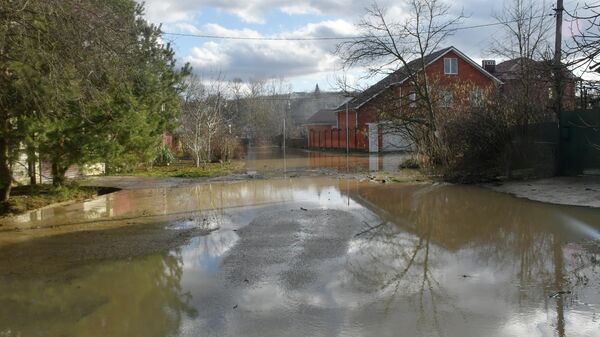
[391, 141]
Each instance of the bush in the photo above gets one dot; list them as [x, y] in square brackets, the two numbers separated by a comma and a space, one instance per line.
[469, 146]
[226, 148]
[164, 157]
[410, 163]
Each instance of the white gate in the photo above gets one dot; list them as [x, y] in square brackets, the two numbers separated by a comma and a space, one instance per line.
[373, 137]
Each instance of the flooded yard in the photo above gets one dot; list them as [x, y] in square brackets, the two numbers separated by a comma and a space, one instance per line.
[302, 257]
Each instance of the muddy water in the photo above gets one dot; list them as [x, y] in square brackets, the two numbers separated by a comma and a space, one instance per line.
[274, 158]
[305, 257]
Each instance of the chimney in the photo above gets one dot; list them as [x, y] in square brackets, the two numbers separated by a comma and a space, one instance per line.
[489, 66]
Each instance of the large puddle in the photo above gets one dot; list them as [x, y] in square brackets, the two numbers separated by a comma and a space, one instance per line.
[305, 257]
[275, 159]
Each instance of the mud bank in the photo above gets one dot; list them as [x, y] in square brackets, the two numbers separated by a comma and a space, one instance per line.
[574, 191]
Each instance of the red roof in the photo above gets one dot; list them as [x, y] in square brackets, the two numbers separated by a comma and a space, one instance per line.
[404, 74]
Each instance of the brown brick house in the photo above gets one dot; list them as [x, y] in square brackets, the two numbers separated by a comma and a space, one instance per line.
[533, 81]
[447, 66]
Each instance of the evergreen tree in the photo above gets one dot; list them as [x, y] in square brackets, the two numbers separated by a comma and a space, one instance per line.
[78, 89]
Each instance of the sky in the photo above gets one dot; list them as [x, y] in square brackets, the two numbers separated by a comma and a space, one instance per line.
[303, 64]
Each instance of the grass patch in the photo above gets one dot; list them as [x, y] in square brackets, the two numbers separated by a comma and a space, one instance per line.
[26, 198]
[178, 171]
[404, 176]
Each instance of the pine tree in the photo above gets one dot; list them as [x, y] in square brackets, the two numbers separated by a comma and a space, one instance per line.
[86, 91]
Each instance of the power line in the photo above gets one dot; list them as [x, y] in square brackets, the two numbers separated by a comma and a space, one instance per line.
[331, 38]
[221, 37]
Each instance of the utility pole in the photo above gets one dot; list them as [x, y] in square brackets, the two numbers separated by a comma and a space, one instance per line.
[558, 78]
[558, 75]
[347, 145]
[288, 111]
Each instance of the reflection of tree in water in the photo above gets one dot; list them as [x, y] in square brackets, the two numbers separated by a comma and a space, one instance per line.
[399, 265]
[498, 232]
[141, 297]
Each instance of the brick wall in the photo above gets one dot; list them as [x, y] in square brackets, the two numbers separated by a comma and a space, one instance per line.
[368, 113]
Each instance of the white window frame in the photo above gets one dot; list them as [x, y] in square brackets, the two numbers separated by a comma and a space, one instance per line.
[451, 66]
[476, 98]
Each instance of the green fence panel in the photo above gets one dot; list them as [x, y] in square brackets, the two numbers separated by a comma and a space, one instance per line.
[580, 141]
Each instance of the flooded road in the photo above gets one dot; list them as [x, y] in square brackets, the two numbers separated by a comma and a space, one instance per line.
[303, 257]
[274, 159]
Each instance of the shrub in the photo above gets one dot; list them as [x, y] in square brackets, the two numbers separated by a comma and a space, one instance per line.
[164, 157]
[469, 146]
[410, 163]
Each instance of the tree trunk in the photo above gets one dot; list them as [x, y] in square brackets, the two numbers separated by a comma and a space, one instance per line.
[197, 160]
[31, 161]
[31, 170]
[5, 169]
[58, 174]
[209, 150]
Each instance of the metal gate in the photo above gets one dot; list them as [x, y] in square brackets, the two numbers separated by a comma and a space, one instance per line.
[580, 142]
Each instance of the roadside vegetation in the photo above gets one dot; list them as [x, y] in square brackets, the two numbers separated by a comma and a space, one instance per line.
[29, 197]
[76, 90]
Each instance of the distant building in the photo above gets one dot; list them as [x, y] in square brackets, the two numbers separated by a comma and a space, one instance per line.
[367, 130]
[540, 79]
[304, 105]
[322, 129]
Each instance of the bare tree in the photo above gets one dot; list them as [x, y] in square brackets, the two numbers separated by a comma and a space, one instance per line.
[526, 41]
[201, 117]
[584, 48]
[527, 26]
[265, 105]
[403, 43]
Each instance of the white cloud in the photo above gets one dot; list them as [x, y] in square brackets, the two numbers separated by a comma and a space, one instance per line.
[294, 59]
[159, 11]
[268, 59]
[254, 11]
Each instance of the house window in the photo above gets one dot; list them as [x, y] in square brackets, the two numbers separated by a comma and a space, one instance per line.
[412, 100]
[450, 66]
[476, 98]
[447, 100]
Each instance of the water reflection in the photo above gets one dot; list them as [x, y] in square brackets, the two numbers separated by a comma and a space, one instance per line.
[323, 257]
[148, 203]
[272, 158]
[461, 254]
[141, 297]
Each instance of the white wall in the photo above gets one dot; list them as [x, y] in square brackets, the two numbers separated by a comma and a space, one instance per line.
[373, 137]
[391, 141]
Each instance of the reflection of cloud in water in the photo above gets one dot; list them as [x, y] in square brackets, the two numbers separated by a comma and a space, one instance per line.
[206, 252]
[536, 324]
[423, 278]
[451, 261]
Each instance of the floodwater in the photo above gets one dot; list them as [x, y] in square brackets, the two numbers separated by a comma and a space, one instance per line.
[303, 257]
[266, 158]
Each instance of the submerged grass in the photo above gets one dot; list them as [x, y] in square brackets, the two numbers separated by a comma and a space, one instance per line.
[26, 198]
[185, 171]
